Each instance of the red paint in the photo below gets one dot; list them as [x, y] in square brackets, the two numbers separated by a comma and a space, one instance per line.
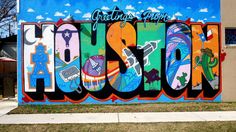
[188, 21]
[25, 99]
[222, 56]
[113, 98]
[59, 22]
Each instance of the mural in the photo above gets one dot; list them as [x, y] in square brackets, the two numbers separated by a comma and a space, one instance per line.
[118, 51]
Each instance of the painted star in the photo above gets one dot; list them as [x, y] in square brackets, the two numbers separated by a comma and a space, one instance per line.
[67, 34]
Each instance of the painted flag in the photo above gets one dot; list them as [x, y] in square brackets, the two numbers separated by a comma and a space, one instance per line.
[209, 35]
[202, 37]
[59, 22]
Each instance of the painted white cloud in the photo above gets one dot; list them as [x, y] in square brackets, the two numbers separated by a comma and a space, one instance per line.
[205, 19]
[142, 11]
[213, 17]
[49, 19]
[203, 10]
[202, 21]
[178, 14]
[137, 12]
[133, 13]
[86, 15]
[65, 11]
[188, 8]
[39, 17]
[46, 13]
[191, 19]
[21, 21]
[129, 7]
[67, 4]
[68, 18]
[173, 17]
[77, 11]
[105, 8]
[59, 14]
[153, 9]
[140, 2]
[160, 7]
[115, 0]
[30, 10]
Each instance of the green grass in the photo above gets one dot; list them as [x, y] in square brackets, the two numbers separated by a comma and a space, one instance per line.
[126, 127]
[94, 108]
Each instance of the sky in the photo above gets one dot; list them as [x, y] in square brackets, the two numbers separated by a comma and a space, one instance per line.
[52, 10]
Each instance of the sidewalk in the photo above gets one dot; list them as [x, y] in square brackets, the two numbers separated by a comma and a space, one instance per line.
[147, 117]
[7, 105]
[117, 117]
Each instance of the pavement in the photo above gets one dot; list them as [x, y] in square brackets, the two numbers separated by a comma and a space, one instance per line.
[6, 105]
[141, 117]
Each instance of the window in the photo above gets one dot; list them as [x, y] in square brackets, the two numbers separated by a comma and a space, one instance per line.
[230, 36]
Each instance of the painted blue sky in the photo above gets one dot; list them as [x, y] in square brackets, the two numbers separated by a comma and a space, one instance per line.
[52, 10]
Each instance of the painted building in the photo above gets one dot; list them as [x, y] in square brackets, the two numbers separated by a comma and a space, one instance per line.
[229, 47]
[8, 67]
[119, 51]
